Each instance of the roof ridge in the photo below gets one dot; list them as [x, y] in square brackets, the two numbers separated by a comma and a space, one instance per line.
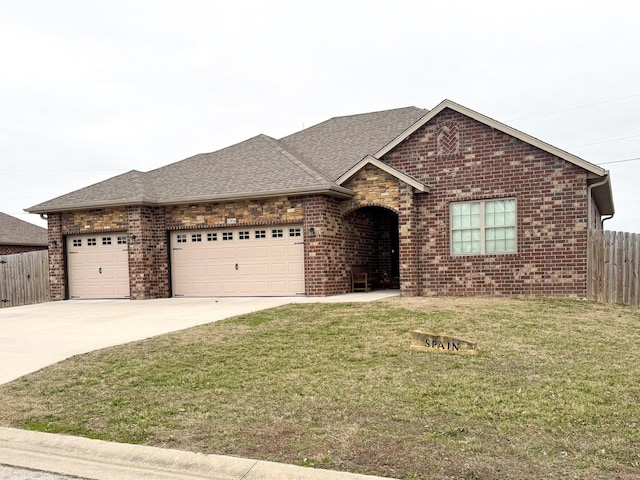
[355, 115]
[320, 178]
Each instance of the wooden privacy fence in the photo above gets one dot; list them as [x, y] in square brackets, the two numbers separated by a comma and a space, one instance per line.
[24, 278]
[614, 267]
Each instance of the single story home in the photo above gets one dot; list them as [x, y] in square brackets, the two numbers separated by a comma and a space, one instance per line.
[18, 236]
[439, 202]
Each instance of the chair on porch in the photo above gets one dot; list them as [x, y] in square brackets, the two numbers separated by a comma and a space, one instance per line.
[362, 280]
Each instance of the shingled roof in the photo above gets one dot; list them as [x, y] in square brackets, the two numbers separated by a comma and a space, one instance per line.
[306, 162]
[14, 231]
[315, 160]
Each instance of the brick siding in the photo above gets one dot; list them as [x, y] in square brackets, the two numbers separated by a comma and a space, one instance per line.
[459, 158]
[478, 163]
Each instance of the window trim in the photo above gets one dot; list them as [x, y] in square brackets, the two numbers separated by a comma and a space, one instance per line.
[483, 228]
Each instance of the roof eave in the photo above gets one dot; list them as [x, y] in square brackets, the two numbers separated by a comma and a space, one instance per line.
[331, 190]
[603, 196]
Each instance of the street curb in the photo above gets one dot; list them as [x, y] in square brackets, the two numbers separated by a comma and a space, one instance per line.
[101, 460]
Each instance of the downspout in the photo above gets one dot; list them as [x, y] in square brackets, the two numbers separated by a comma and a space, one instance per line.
[604, 220]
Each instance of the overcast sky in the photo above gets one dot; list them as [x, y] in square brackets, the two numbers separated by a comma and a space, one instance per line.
[91, 89]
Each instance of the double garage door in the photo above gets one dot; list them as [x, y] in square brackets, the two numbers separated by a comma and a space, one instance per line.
[98, 266]
[258, 261]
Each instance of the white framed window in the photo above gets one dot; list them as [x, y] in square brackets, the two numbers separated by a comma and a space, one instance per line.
[260, 234]
[122, 240]
[106, 240]
[196, 237]
[483, 227]
[244, 236]
[91, 242]
[212, 237]
[226, 236]
[276, 233]
[181, 238]
[295, 232]
[77, 242]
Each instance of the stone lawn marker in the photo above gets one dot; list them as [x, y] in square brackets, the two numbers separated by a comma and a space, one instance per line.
[431, 342]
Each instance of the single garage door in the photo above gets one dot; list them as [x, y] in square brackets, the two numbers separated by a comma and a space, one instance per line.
[98, 266]
[256, 261]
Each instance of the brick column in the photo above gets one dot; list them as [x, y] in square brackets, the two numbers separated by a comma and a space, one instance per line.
[57, 260]
[324, 249]
[148, 257]
[409, 245]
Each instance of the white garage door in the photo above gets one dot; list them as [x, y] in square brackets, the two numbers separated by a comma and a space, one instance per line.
[98, 266]
[258, 261]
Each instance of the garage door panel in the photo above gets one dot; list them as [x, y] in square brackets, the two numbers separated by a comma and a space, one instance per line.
[241, 261]
[98, 266]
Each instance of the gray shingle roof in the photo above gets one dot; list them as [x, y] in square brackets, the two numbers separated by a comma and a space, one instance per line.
[305, 162]
[336, 145]
[14, 231]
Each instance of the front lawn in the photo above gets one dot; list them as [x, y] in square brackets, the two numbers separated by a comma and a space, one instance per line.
[554, 391]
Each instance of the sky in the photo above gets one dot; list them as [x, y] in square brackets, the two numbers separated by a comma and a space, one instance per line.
[91, 89]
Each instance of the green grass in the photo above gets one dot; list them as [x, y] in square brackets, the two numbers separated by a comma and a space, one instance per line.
[554, 391]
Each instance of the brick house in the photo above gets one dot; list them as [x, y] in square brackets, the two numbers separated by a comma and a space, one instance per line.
[18, 236]
[443, 202]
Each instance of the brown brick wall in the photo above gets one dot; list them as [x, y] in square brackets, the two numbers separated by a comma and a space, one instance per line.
[57, 280]
[476, 162]
[325, 253]
[249, 212]
[99, 220]
[459, 158]
[148, 253]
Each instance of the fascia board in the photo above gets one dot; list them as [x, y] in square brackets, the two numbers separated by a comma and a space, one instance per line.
[369, 160]
[335, 191]
[589, 167]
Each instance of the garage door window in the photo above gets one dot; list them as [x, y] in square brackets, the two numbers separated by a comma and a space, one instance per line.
[181, 239]
[227, 236]
[212, 237]
[91, 242]
[77, 243]
[261, 234]
[244, 235]
[122, 240]
[106, 240]
[196, 237]
[276, 233]
[295, 232]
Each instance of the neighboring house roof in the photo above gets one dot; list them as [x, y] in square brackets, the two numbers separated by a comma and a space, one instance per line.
[318, 159]
[14, 231]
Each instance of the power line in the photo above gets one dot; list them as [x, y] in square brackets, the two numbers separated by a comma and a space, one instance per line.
[576, 108]
[605, 141]
[620, 161]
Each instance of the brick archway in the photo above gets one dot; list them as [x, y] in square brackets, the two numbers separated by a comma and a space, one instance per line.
[372, 238]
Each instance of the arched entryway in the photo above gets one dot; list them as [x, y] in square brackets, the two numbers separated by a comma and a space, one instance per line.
[372, 239]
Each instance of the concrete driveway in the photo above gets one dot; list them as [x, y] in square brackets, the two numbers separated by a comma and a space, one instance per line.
[35, 336]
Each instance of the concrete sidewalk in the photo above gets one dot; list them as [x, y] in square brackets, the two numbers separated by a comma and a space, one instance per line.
[99, 460]
[35, 336]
